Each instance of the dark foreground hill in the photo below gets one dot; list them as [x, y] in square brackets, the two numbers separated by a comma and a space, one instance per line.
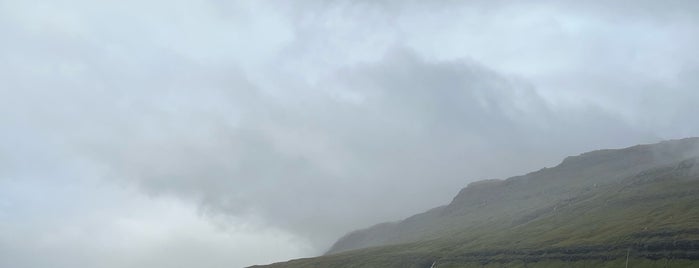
[600, 209]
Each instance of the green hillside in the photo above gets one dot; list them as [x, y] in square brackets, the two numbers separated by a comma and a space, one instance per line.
[599, 209]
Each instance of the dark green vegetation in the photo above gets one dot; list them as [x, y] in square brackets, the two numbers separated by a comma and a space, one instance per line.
[592, 210]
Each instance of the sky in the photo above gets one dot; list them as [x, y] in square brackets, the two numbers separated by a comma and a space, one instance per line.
[218, 133]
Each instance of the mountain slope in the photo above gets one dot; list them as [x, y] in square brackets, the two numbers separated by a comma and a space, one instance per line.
[590, 210]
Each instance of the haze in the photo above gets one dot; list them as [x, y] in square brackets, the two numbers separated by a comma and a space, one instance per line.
[230, 133]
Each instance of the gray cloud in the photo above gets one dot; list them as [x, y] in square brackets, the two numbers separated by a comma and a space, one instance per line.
[312, 163]
[311, 120]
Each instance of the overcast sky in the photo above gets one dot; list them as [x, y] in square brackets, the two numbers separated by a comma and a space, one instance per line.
[223, 134]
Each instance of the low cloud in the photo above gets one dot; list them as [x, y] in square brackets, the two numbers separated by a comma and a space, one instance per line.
[391, 129]
[304, 122]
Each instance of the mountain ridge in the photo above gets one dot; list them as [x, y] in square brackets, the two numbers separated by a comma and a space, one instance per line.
[595, 183]
[480, 192]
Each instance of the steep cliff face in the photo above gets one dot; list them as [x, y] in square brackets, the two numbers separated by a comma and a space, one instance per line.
[590, 210]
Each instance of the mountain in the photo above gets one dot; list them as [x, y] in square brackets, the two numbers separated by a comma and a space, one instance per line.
[603, 208]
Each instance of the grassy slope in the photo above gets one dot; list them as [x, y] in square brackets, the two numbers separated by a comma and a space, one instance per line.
[502, 203]
[653, 215]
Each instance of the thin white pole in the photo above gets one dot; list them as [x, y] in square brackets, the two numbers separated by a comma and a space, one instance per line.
[627, 257]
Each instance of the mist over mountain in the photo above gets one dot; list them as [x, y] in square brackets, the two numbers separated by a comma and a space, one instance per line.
[588, 210]
[229, 133]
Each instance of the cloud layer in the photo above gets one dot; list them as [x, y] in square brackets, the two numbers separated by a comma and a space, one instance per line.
[217, 133]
